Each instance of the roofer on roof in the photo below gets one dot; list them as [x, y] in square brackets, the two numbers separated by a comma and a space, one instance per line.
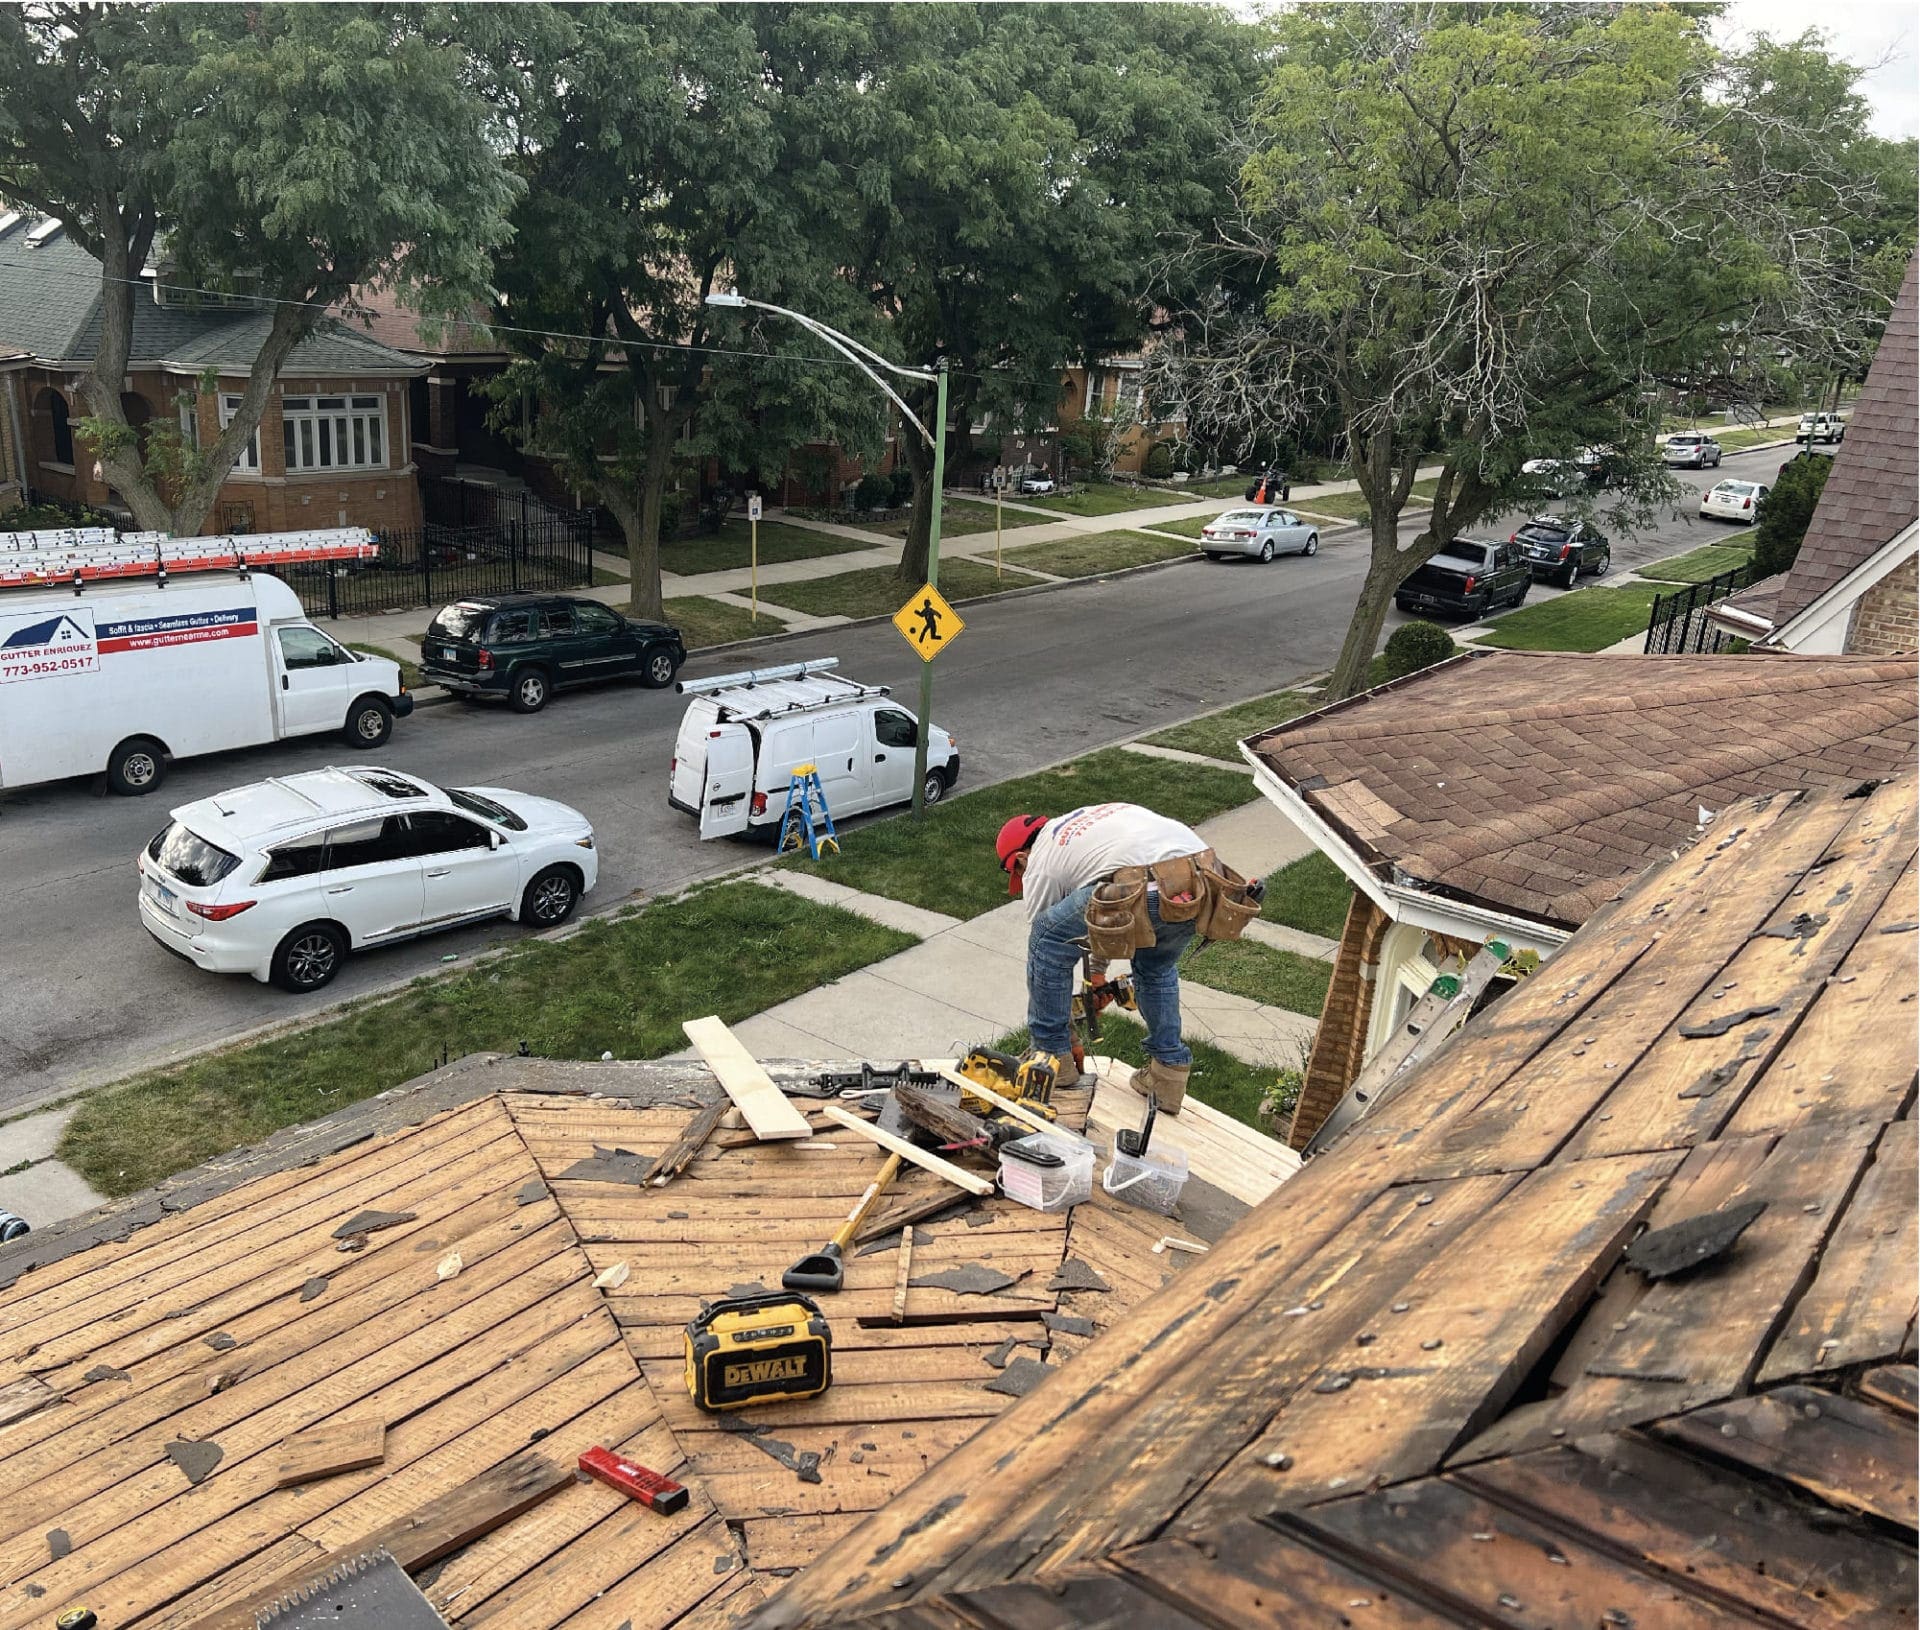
[1118, 881]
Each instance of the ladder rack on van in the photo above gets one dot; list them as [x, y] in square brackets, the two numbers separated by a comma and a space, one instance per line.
[83, 555]
[766, 693]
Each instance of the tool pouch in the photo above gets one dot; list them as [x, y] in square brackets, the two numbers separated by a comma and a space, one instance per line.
[1117, 922]
[1182, 884]
[1230, 904]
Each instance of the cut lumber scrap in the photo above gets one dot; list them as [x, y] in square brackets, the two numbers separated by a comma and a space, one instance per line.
[436, 1529]
[27, 1396]
[763, 1105]
[338, 1446]
[902, 1269]
[698, 1130]
[1894, 1385]
[1025, 1116]
[907, 1151]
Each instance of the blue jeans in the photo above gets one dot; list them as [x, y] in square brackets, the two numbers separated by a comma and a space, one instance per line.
[1055, 945]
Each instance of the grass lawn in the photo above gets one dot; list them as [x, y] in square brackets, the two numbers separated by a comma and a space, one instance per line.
[1700, 564]
[604, 579]
[409, 665]
[1187, 526]
[1739, 439]
[1108, 498]
[945, 861]
[1586, 620]
[713, 622]
[961, 517]
[1262, 973]
[731, 547]
[1311, 895]
[1350, 506]
[1219, 735]
[621, 985]
[1097, 552]
[1219, 1080]
[877, 591]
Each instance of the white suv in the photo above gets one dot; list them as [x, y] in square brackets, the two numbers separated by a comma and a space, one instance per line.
[1688, 448]
[283, 878]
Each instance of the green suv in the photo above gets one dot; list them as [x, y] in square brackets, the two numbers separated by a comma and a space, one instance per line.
[524, 647]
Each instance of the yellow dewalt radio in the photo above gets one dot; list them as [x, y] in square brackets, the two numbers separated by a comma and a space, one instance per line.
[764, 1349]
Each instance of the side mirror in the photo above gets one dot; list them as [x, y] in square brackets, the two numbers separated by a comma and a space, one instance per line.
[494, 840]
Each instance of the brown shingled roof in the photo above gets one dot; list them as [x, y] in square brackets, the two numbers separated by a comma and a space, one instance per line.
[379, 313]
[1873, 494]
[1540, 782]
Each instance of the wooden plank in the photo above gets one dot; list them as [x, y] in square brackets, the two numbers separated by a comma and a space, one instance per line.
[793, 1542]
[1476, 1319]
[1247, 1574]
[1895, 1385]
[440, 1526]
[1698, 1522]
[674, 1160]
[902, 1270]
[1453, 1541]
[908, 1151]
[1849, 1454]
[675, 1583]
[1699, 1337]
[26, 1396]
[285, 1557]
[337, 1446]
[739, 1073]
[1862, 1298]
[1090, 1596]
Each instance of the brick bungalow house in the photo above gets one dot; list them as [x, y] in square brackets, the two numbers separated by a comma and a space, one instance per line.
[1853, 586]
[12, 443]
[1511, 793]
[333, 448]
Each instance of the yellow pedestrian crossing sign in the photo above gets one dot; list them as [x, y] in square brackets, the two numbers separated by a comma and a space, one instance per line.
[927, 622]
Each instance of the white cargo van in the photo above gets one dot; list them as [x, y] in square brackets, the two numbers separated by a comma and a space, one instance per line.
[744, 733]
[122, 672]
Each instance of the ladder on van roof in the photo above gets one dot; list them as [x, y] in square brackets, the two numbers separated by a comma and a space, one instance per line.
[81, 555]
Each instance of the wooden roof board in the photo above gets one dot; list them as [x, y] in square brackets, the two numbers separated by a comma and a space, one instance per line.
[1324, 1354]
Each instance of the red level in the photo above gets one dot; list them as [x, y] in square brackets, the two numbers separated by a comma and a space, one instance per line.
[662, 1494]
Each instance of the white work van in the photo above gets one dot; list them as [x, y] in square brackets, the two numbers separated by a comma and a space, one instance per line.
[745, 734]
[123, 674]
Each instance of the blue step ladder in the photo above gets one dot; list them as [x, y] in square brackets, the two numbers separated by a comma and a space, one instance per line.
[806, 815]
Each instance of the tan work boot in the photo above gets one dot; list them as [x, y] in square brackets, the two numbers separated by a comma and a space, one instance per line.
[1165, 1084]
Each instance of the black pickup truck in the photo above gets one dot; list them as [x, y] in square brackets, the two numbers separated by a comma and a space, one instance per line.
[1467, 579]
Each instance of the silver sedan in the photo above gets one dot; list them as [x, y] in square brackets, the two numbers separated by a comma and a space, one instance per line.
[1262, 533]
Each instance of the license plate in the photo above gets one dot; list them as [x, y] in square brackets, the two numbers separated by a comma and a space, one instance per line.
[448, 652]
[163, 897]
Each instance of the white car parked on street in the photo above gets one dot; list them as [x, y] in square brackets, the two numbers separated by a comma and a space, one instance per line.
[1261, 533]
[284, 878]
[1733, 501]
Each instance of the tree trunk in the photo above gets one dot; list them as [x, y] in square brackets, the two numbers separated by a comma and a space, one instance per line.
[638, 513]
[1385, 569]
[919, 460]
[119, 450]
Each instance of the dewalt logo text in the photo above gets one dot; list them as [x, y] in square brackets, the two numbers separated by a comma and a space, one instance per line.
[766, 1369]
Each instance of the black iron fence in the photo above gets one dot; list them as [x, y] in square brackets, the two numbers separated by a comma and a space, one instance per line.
[476, 540]
[1678, 623]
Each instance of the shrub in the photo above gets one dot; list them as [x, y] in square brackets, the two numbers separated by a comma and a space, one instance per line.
[1159, 462]
[900, 486]
[673, 507]
[873, 492]
[1415, 646]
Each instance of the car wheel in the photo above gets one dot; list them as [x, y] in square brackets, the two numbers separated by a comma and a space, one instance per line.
[934, 788]
[136, 766]
[1520, 594]
[1716, 462]
[530, 690]
[1570, 575]
[369, 722]
[1266, 551]
[550, 898]
[657, 672]
[1605, 566]
[309, 957]
[1211, 555]
[1312, 545]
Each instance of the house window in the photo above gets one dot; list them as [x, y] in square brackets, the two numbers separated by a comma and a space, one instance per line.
[249, 458]
[335, 432]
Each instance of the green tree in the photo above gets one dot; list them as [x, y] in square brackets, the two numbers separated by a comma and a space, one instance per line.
[1006, 172]
[1788, 514]
[284, 153]
[1480, 234]
[671, 152]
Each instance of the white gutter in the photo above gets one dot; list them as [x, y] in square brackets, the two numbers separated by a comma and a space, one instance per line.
[1397, 901]
[1741, 622]
[1856, 583]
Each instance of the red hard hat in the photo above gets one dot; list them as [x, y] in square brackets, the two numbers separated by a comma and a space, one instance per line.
[1014, 837]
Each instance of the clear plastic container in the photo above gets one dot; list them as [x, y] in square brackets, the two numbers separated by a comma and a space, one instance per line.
[1152, 1181]
[1048, 1188]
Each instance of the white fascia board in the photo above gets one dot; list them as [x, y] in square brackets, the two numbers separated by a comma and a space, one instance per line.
[1398, 902]
[1894, 552]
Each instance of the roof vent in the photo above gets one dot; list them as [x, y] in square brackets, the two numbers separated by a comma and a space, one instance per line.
[42, 233]
[9, 221]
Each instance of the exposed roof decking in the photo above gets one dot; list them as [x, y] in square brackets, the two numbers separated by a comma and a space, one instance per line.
[1420, 1362]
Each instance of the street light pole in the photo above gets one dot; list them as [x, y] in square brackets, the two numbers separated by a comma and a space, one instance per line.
[936, 439]
[933, 578]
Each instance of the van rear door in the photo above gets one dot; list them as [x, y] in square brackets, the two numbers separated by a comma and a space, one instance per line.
[726, 792]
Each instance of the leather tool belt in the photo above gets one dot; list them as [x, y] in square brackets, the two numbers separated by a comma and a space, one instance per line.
[1193, 888]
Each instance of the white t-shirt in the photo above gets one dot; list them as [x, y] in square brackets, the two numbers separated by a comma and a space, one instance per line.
[1085, 845]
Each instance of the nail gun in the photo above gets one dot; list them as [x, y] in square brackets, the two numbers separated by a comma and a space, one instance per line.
[1098, 992]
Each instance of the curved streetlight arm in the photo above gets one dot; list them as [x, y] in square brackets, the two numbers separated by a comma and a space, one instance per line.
[848, 347]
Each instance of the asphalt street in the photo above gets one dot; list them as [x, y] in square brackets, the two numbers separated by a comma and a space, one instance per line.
[86, 997]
